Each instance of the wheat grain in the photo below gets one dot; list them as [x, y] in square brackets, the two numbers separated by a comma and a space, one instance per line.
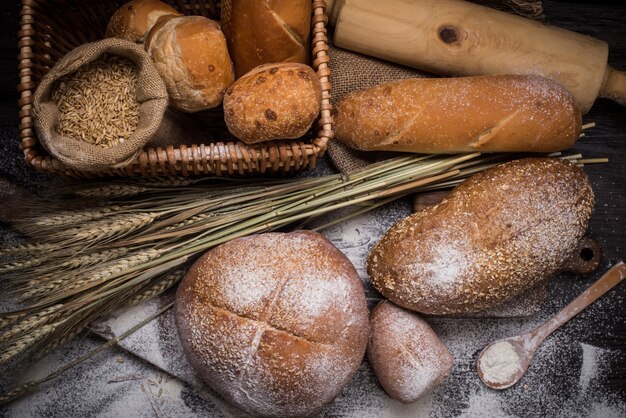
[157, 288]
[98, 104]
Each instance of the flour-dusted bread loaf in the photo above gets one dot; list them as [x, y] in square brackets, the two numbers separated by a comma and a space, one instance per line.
[496, 235]
[191, 55]
[265, 31]
[276, 323]
[498, 113]
[134, 19]
[407, 357]
[273, 101]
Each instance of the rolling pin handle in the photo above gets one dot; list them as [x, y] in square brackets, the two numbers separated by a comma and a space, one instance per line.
[614, 86]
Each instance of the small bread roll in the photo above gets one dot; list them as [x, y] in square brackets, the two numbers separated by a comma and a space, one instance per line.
[275, 323]
[134, 20]
[191, 55]
[273, 101]
[406, 355]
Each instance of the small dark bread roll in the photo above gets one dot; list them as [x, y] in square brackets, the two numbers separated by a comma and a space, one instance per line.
[276, 323]
[273, 101]
[406, 355]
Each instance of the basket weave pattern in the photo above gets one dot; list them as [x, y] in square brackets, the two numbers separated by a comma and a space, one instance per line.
[45, 37]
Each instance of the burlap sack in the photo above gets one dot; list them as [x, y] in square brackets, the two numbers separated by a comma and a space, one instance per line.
[151, 95]
[351, 71]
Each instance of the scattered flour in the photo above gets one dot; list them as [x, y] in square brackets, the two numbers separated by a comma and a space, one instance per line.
[589, 369]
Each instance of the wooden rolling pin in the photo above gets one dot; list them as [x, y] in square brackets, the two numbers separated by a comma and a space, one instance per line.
[453, 37]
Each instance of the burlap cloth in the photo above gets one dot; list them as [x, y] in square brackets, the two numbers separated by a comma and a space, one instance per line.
[351, 71]
[151, 95]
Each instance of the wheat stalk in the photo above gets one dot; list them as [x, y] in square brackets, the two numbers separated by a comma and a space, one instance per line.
[31, 322]
[70, 217]
[27, 341]
[20, 265]
[27, 248]
[71, 283]
[101, 230]
[112, 190]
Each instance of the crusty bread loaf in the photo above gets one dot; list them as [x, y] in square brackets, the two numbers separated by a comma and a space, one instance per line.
[134, 19]
[498, 113]
[273, 101]
[496, 235]
[191, 55]
[407, 357]
[266, 31]
[276, 323]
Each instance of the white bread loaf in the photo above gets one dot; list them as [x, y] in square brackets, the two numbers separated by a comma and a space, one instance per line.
[275, 323]
[501, 113]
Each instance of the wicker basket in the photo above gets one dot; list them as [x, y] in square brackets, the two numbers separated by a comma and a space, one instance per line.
[45, 36]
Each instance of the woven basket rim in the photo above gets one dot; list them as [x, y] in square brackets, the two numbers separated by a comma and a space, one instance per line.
[217, 158]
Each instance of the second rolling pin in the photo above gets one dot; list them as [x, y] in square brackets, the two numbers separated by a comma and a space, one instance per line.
[453, 37]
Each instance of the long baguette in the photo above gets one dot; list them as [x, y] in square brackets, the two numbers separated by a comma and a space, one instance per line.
[501, 113]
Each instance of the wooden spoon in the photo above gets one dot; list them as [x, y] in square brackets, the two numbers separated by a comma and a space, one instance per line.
[502, 363]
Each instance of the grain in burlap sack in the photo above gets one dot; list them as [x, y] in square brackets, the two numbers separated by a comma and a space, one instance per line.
[351, 71]
[150, 93]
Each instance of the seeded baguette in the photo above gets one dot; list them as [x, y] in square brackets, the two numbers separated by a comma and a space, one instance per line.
[500, 113]
[496, 235]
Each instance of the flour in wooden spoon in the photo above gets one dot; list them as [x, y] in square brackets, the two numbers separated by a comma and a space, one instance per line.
[500, 363]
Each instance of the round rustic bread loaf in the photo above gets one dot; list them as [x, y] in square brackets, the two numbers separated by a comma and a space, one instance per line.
[273, 101]
[407, 357]
[134, 19]
[276, 323]
[191, 55]
[496, 235]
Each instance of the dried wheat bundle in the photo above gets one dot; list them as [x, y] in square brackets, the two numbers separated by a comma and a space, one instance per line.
[124, 242]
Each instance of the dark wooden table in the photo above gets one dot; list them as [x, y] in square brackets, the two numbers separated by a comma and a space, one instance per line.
[602, 325]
